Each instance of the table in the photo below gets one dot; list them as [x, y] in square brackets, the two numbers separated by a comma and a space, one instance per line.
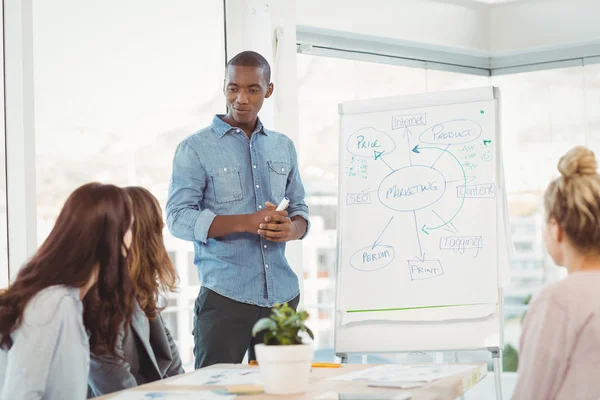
[448, 388]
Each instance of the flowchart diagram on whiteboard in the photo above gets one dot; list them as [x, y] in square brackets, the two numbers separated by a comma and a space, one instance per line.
[422, 208]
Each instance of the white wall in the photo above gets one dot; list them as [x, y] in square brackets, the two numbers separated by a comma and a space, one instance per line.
[430, 22]
[529, 24]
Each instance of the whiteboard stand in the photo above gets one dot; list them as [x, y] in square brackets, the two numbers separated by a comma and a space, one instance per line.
[456, 360]
[497, 360]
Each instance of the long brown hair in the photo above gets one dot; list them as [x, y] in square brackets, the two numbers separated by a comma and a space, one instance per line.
[86, 239]
[150, 267]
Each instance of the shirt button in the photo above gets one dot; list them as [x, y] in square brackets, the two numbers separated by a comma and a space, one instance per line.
[266, 265]
[257, 186]
[225, 169]
[237, 130]
[250, 145]
[254, 165]
[259, 206]
[282, 169]
[265, 246]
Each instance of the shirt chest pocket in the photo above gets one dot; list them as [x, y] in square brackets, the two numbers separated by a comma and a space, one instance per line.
[278, 175]
[227, 184]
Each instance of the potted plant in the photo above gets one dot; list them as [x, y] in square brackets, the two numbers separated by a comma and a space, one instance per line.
[284, 360]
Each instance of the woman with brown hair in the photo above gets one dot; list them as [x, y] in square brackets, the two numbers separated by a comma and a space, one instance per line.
[44, 324]
[146, 351]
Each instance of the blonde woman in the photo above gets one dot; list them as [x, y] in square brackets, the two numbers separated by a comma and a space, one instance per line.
[145, 349]
[560, 342]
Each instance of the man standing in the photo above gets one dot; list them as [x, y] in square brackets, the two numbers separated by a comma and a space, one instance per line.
[226, 181]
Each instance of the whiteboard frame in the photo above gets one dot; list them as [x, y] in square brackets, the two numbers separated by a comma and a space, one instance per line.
[378, 339]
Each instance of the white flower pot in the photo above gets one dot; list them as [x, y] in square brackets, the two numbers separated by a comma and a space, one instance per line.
[284, 369]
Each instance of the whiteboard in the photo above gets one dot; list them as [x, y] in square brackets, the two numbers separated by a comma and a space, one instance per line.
[422, 223]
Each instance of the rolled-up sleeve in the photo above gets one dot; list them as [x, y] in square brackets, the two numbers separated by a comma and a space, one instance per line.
[295, 191]
[186, 218]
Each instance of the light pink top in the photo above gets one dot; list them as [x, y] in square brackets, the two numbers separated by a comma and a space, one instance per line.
[560, 342]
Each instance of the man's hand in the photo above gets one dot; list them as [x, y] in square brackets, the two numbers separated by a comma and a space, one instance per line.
[277, 227]
[257, 218]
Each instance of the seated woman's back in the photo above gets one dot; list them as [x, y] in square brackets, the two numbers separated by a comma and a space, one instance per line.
[564, 319]
[560, 342]
[52, 325]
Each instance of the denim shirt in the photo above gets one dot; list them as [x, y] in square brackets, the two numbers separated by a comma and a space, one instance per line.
[220, 171]
[50, 355]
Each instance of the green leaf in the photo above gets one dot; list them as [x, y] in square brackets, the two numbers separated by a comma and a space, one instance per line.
[263, 325]
[303, 315]
[278, 315]
[270, 339]
[310, 333]
[283, 326]
[291, 320]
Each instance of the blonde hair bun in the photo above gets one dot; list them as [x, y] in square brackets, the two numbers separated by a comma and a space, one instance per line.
[578, 161]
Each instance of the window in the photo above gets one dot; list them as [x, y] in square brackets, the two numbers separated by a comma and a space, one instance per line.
[112, 107]
[3, 199]
[523, 229]
[170, 319]
[591, 74]
[192, 272]
[523, 246]
[544, 113]
[326, 263]
[172, 257]
[326, 297]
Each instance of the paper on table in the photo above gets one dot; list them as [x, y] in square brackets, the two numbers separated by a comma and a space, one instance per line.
[219, 377]
[404, 373]
[397, 385]
[363, 396]
[171, 395]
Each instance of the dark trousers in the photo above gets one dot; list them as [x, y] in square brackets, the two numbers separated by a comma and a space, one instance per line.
[223, 329]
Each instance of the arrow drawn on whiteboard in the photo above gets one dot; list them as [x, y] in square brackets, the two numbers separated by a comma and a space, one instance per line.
[380, 157]
[421, 255]
[377, 154]
[407, 135]
[469, 179]
[377, 241]
[425, 228]
[450, 224]
[440, 156]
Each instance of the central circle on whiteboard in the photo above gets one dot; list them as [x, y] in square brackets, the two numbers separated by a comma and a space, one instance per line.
[412, 188]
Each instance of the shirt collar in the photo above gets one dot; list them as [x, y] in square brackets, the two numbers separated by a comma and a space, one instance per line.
[221, 127]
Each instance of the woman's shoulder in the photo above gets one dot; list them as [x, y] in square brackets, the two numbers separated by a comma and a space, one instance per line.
[53, 295]
[573, 294]
[53, 300]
